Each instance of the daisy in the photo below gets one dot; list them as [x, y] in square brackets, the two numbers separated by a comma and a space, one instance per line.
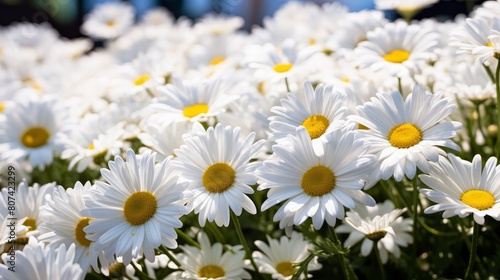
[488, 9]
[108, 20]
[279, 257]
[381, 224]
[191, 100]
[28, 208]
[473, 39]
[460, 187]
[471, 82]
[396, 47]
[320, 113]
[137, 210]
[33, 130]
[210, 263]
[64, 225]
[405, 134]
[39, 263]
[316, 186]
[216, 165]
[407, 8]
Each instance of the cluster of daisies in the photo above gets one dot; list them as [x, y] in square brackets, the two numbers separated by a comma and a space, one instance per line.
[194, 150]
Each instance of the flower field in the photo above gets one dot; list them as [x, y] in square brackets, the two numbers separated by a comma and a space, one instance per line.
[324, 144]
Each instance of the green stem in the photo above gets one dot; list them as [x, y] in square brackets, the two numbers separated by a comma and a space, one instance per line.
[473, 249]
[400, 86]
[187, 238]
[287, 85]
[497, 85]
[216, 232]
[141, 274]
[480, 123]
[345, 270]
[379, 261]
[170, 256]
[490, 74]
[243, 241]
[303, 267]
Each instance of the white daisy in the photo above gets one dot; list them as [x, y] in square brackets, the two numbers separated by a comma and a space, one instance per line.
[64, 225]
[488, 9]
[460, 187]
[191, 100]
[396, 47]
[316, 186]
[405, 134]
[216, 164]
[279, 257]
[471, 82]
[407, 8]
[39, 263]
[33, 130]
[28, 208]
[320, 113]
[381, 224]
[137, 210]
[473, 39]
[210, 263]
[108, 20]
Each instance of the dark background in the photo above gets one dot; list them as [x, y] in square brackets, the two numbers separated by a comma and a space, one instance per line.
[66, 15]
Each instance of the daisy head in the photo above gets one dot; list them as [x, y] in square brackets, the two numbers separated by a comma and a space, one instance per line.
[209, 262]
[42, 262]
[32, 130]
[381, 224]
[316, 186]
[192, 100]
[64, 224]
[216, 165]
[396, 48]
[320, 113]
[137, 209]
[460, 187]
[108, 20]
[279, 256]
[406, 134]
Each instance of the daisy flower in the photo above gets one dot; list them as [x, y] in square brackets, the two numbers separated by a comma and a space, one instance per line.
[406, 8]
[41, 263]
[64, 225]
[396, 47]
[210, 263]
[473, 38]
[316, 186]
[137, 210]
[108, 20]
[276, 63]
[405, 134]
[279, 257]
[29, 208]
[460, 187]
[216, 165]
[192, 100]
[471, 82]
[381, 224]
[33, 130]
[320, 113]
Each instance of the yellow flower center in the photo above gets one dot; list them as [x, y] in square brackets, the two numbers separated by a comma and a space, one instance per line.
[218, 177]
[478, 199]
[33, 84]
[376, 236]
[80, 234]
[35, 137]
[261, 87]
[142, 79]
[397, 56]
[194, 110]
[216, 60]
[211, 271]
[312, 41]
[318, 180]
[2, 107]
[139, 208]
[91, 146]
[31, 223]
[316, 125]
[345, 79]
[282, 67]
[110, 23]
[405, 135]
[285, 268]
[489, 44]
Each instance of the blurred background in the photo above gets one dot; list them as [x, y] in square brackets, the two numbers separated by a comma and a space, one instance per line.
[66, 15]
